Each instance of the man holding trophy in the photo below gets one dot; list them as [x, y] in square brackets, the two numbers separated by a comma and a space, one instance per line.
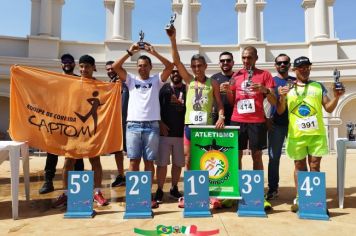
[306, 130]
[143, 115]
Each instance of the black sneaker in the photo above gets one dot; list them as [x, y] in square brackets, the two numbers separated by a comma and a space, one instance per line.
[271, 195]
[159, 196]
[47, 187]
[175, 193]
[119, 181]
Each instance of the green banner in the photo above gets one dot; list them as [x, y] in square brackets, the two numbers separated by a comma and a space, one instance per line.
[216, 150]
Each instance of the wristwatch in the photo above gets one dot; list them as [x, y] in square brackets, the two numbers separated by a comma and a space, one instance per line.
[268, 91]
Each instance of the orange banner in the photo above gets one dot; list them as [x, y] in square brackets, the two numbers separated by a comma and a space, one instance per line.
[65, 115]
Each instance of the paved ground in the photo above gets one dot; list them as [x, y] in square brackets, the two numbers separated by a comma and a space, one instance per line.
[38, 218]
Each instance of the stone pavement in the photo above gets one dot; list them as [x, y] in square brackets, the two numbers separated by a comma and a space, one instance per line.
[38, 218]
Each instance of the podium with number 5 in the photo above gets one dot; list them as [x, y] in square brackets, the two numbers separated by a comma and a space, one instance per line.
[80, 194]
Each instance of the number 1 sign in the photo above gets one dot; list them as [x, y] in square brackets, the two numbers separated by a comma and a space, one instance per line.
[138, 195]
[196, 193]
[312, 195]
[80, 194]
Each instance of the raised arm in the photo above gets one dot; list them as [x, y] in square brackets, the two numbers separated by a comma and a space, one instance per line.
[117, 66]
[187, 77]
[330, 104]
[168, 66]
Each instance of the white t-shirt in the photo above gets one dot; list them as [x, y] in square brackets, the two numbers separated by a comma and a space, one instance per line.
[144, 97]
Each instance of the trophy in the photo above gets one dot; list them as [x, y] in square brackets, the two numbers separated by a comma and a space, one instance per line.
[249, 80]
[170, 26]
[350, 131]
[290, 83]
[338, 84]
[141, 43]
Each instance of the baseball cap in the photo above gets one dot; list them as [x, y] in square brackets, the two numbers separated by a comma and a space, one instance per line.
[87, 59]
[68, 58]
[300, 61]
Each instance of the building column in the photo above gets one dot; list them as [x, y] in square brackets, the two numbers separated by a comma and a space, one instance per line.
[186, 30]
[128, 7]
[45, 18]
[321, 20]
[250, 21]
[118, 21]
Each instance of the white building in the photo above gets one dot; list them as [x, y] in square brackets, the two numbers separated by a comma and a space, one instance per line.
[43, 47]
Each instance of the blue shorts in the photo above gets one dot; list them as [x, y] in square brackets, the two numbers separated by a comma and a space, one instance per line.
[142, 139]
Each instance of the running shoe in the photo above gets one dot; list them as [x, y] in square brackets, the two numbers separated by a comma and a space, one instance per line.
[119, 181]
[99, 199]
[159, 196]
[174, 192]
[267, 205]
[61, 201]
[294, 208]
[271, 195]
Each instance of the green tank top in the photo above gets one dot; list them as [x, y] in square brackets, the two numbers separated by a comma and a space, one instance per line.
[305, 110]
[199, 103]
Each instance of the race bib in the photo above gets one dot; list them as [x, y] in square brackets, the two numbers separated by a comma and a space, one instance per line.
[309, 123]
[246, 106]
[198, 117]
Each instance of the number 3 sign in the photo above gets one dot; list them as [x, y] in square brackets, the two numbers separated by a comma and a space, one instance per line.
[80, 194]
[138, 195]
[251, 188]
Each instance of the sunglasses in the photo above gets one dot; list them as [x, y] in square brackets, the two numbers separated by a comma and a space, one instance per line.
[225, 60]
[279, 63]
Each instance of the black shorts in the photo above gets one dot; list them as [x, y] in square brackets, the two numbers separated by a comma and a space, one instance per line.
[253, 134]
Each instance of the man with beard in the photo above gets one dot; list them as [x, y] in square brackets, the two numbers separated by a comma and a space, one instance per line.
[279, 127]
[307, 137]
[172, 101]
[68, 66]
[226, 62]
[119, 155]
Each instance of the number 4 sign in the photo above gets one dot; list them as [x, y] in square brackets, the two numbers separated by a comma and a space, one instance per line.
[138, 195]
[80, 194]
[312, 195]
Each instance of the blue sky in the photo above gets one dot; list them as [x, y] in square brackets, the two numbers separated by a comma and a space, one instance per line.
[84, 20]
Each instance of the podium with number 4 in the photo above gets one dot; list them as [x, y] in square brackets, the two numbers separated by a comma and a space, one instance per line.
[138, 195]
[80, 194]
[312, 196]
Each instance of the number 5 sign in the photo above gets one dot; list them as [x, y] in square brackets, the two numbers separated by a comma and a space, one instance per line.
[80, 194]
[196, 193]
[251, 189]
[312, 195]
[138, 195]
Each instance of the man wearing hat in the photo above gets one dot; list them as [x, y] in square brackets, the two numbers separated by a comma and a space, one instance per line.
[86, 68]
[306, 130]
[68, 65]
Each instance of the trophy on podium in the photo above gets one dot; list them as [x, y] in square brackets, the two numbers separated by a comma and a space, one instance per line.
[350, 131]
[338, 84]
[141, 43]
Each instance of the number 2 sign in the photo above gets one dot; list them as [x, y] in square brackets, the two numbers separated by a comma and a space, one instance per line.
[80, 194]
[138, 195]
